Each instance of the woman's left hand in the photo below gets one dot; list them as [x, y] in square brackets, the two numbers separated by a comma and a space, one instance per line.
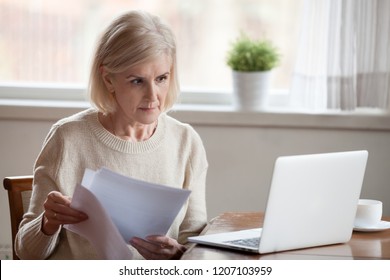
[158, 247]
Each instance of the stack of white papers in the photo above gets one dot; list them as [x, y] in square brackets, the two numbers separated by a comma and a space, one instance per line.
[120, 208]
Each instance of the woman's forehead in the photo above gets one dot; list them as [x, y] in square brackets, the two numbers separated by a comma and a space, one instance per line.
[155, 67]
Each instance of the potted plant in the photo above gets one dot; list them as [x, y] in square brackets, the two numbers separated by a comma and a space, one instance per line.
[251, 62]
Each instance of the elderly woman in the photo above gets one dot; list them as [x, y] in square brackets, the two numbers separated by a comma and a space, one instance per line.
[133, 84]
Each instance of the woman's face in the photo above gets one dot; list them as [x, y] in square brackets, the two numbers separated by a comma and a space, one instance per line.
[141, 90]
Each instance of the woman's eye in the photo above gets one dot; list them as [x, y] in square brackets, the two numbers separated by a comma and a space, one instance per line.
[136, 81]
[162, 79]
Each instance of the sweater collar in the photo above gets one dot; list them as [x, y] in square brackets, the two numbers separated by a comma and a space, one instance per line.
[125, 146]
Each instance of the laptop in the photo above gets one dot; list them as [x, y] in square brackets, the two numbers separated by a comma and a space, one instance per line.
[312, 202]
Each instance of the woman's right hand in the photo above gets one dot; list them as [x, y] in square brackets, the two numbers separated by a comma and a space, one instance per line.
[58, 212]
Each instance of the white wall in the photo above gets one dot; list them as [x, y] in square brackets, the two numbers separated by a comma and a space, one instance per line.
[241, 150]
[241, 166]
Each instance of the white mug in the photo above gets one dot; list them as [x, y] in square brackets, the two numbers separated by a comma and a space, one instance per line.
[368, 213]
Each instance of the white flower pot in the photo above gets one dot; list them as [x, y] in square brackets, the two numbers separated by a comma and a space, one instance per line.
[250, 90]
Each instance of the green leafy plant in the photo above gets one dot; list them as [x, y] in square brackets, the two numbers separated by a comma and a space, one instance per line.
[249, 55]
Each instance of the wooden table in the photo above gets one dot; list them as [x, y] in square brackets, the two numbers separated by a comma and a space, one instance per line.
[363, 245]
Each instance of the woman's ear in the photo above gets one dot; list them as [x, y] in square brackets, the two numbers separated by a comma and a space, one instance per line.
[107, 79]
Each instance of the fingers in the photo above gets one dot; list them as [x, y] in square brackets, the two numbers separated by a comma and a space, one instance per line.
[149, 250]
[158, 247]
[58, 212]
[57, 197]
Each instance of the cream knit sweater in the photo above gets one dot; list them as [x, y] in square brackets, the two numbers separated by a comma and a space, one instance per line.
[173, 156]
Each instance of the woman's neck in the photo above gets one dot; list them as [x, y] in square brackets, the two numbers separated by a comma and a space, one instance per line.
[123, 129]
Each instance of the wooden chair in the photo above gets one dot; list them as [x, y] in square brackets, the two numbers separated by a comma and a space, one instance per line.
[19, 192]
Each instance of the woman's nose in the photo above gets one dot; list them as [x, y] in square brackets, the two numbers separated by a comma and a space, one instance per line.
[151, 92]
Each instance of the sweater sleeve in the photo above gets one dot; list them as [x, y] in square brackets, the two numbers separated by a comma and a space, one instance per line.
[196, 215]
[31, 242]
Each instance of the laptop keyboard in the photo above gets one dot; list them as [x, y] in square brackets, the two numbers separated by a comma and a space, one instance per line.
[249, 242]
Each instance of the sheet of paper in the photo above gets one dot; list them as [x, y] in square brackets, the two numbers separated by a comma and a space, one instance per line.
[120, 207]
[99, 228]
[136, 207]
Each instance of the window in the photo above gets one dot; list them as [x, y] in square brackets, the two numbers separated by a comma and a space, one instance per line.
[50, 42]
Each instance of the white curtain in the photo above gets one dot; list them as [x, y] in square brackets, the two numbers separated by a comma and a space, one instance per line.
[343, 56]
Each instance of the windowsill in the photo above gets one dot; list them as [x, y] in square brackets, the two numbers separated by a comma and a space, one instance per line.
[220, 115]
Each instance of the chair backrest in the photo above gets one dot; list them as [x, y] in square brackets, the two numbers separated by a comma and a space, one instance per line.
[19, 192]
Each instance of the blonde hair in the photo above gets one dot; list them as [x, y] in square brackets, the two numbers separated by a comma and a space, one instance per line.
[133, 38]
